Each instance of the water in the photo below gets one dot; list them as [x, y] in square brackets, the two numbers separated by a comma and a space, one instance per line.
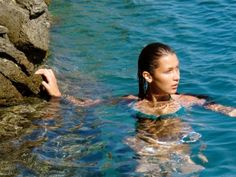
[94, 50]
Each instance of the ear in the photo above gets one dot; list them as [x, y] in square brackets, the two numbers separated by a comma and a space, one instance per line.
[147, 76]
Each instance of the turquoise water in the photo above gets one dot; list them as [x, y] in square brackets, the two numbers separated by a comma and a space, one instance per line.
[94, 51]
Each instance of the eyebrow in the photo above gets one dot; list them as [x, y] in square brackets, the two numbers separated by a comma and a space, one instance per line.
[173, 67]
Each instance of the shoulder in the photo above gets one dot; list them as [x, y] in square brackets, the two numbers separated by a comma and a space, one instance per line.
[188, 100]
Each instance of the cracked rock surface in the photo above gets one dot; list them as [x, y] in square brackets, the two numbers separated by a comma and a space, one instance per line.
[24, 38]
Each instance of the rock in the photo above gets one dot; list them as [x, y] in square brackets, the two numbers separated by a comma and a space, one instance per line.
[36, 38]
[8, 92]
[35, 7]
[13, 17]
[47, 1]
[3, 31]
[8, 51]
[24, 38]
[12, 125]
[16, 75]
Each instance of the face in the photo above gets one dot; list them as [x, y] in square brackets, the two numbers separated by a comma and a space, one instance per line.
[165, 78]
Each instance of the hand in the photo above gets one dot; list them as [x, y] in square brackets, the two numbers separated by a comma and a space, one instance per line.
[232, 113]
[51, 82]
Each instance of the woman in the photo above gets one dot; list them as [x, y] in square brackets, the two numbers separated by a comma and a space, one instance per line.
[158, 74]
[161, 131]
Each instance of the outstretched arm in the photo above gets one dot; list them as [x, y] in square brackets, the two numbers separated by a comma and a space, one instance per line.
[227, 110]
[52, 88]
[189, 100]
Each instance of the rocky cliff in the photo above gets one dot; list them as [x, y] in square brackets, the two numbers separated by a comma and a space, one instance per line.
[24, 37]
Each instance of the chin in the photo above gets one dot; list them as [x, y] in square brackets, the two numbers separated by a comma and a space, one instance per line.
[174, 91]
[169, 91]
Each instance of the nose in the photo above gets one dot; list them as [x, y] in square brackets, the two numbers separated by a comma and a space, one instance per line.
[176, 75]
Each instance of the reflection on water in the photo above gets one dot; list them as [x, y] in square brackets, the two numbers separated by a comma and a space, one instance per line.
[17, 155]
[161, 147]
[60, 138]
[16, 122]
[49, 138]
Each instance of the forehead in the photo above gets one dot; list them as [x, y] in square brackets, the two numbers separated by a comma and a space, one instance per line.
[168, 61]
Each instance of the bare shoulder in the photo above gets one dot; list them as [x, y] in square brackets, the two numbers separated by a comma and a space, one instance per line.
[188, 100]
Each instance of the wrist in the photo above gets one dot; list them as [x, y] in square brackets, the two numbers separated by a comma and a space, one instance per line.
[57, 94]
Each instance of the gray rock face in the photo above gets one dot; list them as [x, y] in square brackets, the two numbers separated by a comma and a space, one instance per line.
[24, 38]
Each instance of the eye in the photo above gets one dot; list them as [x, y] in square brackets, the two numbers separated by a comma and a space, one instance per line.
[168, 71]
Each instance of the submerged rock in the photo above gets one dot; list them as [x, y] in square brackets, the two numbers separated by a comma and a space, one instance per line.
[17, 120]
[24, 38]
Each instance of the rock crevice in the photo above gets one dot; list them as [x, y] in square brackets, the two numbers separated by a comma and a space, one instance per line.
[24, 40]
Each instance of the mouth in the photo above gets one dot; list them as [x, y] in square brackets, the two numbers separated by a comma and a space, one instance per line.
[175, 86]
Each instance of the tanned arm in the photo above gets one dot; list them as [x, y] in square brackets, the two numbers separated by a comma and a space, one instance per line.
[189, 100]
[50, 84]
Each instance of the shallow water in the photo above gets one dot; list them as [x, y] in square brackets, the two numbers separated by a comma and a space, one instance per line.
[94, 50]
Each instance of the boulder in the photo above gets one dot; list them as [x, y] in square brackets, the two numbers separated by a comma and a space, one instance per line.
[24, 39]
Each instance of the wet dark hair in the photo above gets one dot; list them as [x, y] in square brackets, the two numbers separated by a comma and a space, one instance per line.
[148, 61]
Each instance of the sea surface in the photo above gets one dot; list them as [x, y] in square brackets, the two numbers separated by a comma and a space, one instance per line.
[94, 48]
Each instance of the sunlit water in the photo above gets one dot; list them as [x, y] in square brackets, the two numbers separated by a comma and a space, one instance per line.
[94, 51]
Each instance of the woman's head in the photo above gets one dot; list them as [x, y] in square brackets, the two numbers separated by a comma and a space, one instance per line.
[158, 68]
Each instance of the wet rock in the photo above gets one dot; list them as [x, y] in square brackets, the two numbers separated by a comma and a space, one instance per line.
[12, 125]
[16, 121]
[24, 38]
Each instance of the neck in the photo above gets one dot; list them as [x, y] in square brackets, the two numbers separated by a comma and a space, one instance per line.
[157, 97]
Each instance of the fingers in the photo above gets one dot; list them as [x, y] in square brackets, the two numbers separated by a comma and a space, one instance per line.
[48, 73]
[40, 71]
[45, 84]
[51, 82]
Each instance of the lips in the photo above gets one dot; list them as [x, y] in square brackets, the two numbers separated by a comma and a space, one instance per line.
[174, 86]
